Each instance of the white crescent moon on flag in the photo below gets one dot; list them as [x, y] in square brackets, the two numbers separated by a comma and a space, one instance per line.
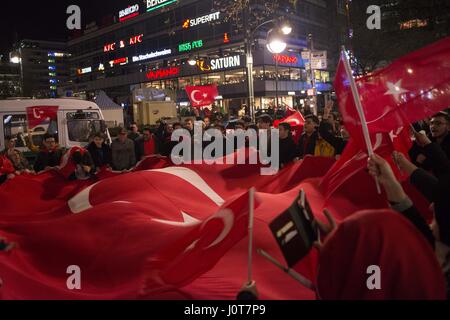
[38, 115]
[228, 219]
[193, 97]
[80, 202]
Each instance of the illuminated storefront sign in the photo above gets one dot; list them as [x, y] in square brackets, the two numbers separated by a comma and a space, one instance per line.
[84, 70]
[122, 43]
[152, 55]
[109, 47]
[136, 39]
[188, 46]
[121, 61]
[219, 64]
[56, 54]
[225, 63]
[163, 73]
[284, 59]
[189, 23]
[128, 13]
[226, 38]
[156, 4]
[203, 66]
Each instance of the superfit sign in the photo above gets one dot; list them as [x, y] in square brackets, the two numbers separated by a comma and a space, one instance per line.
[189, 23]
[128, 13]
[163, 73]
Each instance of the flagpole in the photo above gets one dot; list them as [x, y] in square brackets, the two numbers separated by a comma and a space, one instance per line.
[250, 233]
[295, 275]
[359, 107]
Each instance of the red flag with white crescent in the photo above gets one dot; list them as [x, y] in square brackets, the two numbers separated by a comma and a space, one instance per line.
[41, 114]
[201, 96]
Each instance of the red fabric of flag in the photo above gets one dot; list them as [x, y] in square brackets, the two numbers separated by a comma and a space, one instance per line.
[412, 88]
[201, 96]
[41, 115]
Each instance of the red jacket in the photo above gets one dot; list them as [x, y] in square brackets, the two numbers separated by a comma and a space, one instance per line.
[6, 166]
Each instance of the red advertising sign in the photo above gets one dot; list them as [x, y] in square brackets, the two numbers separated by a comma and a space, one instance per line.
[285, 59]
[132, 41]
[163, 73]
[136, 39]
[109, 47]
[121, 61]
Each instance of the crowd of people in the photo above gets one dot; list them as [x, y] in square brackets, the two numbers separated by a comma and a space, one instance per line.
[401, 246]
[428, 168]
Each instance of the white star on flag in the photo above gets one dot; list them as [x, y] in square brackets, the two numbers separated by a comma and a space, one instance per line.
[395, 89]
[205, 95]
[394, 135]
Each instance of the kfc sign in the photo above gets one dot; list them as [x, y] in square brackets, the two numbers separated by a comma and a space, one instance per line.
[136, 39]
[128, 13]
[163, 73]
[123, 43]
[109, 47]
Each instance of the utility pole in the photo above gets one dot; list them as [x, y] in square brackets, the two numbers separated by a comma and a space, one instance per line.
[276, 81]
[313, 76]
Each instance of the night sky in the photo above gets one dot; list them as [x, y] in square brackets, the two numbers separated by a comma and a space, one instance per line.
[46, 20]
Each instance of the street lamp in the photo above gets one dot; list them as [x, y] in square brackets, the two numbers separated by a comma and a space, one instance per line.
[275, 44]
[286, 28]
[14, 57]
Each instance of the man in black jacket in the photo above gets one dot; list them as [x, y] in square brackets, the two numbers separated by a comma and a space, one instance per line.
[49, 157]
[146, 145]
[100, 152]
[307, 143]
[287, 144]
[439, 127]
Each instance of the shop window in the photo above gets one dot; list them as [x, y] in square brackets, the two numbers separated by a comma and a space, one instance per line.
[233, 77]
[216, 78]
[270, 73]
[183, 82]
[283, 74]
[296, 74]
[258, 73]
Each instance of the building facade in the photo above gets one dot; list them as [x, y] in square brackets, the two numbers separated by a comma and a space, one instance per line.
[150, 45]
[10, 85]
[43, 67]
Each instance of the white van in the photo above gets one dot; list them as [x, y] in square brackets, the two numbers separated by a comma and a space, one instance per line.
[72, 121]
